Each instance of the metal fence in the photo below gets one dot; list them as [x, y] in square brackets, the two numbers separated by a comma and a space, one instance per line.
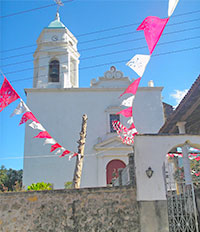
[182, 207]
[182, 210]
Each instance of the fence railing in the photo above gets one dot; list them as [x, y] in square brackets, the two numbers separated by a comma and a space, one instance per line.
[182, 210]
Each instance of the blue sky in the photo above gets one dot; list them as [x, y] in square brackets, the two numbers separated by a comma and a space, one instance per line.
[172, 70]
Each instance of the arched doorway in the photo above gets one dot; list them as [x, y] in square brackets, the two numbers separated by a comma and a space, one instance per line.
[112, 167]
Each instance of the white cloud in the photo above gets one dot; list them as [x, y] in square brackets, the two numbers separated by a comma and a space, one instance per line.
[178, 95]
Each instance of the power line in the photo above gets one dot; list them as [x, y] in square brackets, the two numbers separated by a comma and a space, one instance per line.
[67, 1]
[186, 13]
[120, 61]
[22, 70]
[102, 46]
[113, 28]
[116, 62]
[33, 9]
[110, 53]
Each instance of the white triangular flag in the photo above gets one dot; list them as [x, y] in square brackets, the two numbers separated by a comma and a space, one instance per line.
[20, 109]
[132, 131]
[73, 155]
[37, 126]
[130, 121]
[138, 63]
[60, 150]
[49, 141]
[171, 7]
[128, 102]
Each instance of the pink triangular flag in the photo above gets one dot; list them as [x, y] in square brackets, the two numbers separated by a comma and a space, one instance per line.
[197, 159]
[65, 153]
[197, 174]
[153, 28]
[131, 127]
[43, 135]
[7, 94]
[27, 116]
[132, 88]
[55, 146]
[126, 112]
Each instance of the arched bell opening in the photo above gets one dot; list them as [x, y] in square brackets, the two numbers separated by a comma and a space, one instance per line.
[54, 71]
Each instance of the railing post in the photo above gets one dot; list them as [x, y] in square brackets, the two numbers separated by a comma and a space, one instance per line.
[131, 168]
[120, 170]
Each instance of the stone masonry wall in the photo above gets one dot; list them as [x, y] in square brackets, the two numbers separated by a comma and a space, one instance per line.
[83, 210]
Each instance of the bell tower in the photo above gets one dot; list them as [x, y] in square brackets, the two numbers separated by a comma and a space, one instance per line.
[56, 59]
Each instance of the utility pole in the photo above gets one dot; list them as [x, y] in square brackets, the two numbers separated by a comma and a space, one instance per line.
[79, 157]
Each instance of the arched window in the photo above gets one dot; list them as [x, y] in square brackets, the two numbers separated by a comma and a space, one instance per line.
[112, 169]
[54, 67]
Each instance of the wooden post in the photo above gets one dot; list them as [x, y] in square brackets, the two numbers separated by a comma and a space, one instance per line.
[79, 158]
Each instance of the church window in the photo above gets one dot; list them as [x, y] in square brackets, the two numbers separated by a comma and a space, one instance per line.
[54, 67]
[113, 117]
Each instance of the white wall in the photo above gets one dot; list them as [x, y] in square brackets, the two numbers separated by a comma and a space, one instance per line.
[150, 151]
[60, 112]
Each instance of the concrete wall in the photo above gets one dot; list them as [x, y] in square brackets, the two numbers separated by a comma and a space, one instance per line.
[150, 151]
[83, 210]
[153, 216]
[60, 112]
[91, 210]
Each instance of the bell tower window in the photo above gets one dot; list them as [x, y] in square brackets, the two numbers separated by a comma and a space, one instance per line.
[54, 68]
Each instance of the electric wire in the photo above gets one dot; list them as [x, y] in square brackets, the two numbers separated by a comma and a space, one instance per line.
[170, 52]
[56, 156]
[116, 62]
[102, 46]
[106, 54]
[108, 37]
[33, 9]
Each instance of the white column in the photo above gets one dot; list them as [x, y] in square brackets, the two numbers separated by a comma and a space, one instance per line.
[185, 152]
[77, 74]
[181, 127]
[65, 80]
[186, 164]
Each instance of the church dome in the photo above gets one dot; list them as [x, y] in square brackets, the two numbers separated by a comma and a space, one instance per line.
[56, 23]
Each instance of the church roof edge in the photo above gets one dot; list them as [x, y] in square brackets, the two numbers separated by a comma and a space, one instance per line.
[87, 89]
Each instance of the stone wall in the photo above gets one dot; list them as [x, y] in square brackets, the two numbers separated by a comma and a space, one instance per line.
[83, 210]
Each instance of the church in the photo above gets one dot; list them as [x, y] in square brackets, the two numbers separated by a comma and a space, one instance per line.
[58, 103]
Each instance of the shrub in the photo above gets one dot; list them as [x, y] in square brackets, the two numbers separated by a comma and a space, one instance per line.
[68, 185]
[39, 186]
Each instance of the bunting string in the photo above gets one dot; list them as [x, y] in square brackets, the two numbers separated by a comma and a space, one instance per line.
[9, 95]
[153, 28]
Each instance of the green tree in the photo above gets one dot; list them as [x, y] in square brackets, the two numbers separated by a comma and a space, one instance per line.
[10, 178]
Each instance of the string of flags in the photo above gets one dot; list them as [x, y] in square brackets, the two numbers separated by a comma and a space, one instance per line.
[9, 95]
[192, 156]
[153, 28]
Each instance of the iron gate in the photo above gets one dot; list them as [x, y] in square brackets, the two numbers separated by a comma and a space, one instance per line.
[182, 211]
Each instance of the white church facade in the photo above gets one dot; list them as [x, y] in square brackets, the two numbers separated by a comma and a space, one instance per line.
[58, 103]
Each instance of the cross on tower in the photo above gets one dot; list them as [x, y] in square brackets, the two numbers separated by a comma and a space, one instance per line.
[59, 3]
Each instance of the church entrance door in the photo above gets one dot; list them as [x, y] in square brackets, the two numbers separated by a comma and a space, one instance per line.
[112, 169]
